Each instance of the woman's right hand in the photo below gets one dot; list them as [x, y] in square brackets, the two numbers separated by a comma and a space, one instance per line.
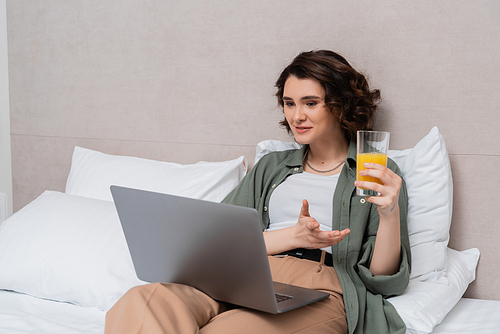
[307, 233]
[304, 234]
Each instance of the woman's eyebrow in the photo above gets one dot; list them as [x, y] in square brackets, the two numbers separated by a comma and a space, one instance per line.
[308, 97]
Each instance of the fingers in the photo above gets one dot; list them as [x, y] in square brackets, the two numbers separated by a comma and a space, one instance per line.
[389, 190]
[304, 210]
[342, 234]
[327, 238]
[312, 225]
[384, 174]
[390, 180]
[339, 235]
[308, 231]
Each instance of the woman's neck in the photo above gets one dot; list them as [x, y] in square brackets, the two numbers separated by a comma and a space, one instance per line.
[325, 155]
[326, 160]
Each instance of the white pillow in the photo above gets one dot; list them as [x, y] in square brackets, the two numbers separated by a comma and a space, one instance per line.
[424, 305]
[427, 173]
[268, 146]
[92, 173]
[66, 248]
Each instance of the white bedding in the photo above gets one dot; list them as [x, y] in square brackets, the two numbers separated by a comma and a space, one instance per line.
[20, 313]
[472, 316]
[70, 248]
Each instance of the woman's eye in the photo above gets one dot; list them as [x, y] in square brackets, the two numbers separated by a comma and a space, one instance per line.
[289, 104]
[311, 104]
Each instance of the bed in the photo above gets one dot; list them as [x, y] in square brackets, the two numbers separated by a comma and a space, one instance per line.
[64, 259]
[177, 97]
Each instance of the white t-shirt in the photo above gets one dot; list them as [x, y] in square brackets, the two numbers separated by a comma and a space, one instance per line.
[286, 201]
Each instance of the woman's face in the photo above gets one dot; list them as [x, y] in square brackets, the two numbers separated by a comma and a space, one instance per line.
[306, 112]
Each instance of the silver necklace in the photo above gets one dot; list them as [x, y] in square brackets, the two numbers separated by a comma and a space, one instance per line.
[333, 163]
[323, 171]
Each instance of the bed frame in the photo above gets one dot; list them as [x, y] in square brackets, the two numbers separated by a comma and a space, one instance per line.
[184, 81]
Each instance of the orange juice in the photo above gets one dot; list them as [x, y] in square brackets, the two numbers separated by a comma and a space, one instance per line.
[362, 158]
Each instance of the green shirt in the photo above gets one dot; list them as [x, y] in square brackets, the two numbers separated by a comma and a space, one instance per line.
[364, 294]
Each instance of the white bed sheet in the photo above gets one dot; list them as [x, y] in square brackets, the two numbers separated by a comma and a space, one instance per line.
[20, 313]
[472, 316]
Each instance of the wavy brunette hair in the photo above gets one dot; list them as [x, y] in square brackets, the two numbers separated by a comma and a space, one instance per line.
[347, 94]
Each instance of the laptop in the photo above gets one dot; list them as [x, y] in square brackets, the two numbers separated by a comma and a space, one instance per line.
[216, 248]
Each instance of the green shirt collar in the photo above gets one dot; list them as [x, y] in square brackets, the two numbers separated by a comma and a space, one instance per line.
[297, 158]
[351, 156]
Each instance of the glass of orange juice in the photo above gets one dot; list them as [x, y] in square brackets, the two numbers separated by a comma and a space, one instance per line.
[372, 146]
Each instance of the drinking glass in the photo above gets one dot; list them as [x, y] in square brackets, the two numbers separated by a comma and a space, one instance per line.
[372, 146]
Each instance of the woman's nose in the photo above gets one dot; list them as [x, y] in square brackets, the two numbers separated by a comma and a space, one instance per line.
[299, 114]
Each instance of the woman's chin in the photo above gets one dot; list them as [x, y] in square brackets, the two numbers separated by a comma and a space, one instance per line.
[301, 140]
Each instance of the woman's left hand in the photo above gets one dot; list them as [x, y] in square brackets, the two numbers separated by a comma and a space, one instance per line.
[387, 201]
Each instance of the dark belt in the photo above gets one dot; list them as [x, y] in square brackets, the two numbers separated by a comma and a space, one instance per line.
[309, 254]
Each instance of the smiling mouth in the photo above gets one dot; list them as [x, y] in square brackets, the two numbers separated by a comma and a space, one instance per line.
[301, 129]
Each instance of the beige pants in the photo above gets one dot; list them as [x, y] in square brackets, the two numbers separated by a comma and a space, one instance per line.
[174, 308]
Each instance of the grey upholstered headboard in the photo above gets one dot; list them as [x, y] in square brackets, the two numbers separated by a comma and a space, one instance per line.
[193, 80]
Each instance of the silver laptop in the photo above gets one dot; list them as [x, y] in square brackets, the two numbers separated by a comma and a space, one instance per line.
[216, 248]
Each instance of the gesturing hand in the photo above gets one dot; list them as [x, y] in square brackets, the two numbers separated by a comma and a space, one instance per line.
[307, 233]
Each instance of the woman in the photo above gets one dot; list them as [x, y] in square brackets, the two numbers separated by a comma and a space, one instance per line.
[355, 248]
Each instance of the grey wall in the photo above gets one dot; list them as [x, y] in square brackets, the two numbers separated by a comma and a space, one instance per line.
[193, 80]
[5, 155]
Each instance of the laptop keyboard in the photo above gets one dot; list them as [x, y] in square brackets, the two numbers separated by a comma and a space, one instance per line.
[281, 297]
